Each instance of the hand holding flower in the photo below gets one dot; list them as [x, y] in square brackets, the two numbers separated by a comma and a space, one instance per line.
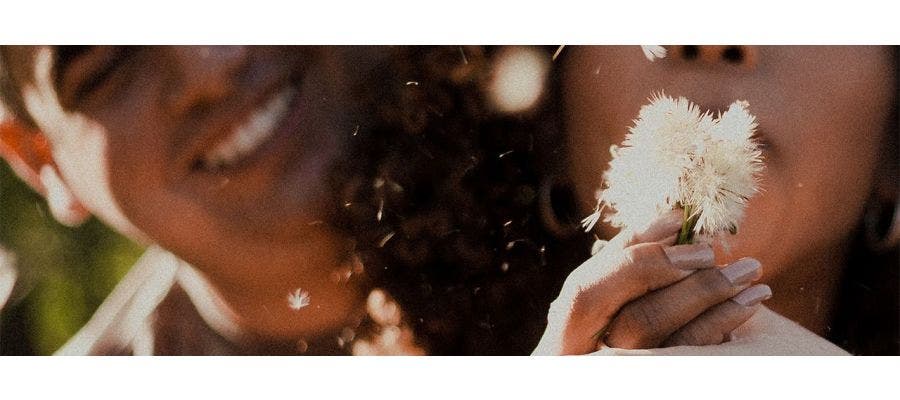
[678, 174]
[642, 291]
[673, 157]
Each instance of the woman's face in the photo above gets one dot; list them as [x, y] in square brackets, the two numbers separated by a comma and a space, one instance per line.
[822, 112]
[220, 154]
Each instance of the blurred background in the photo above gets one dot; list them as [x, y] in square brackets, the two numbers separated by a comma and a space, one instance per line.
[63, 273]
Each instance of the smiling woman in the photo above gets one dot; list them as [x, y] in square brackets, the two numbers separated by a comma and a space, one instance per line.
[410, 200]
[127, 151]
[281, 171]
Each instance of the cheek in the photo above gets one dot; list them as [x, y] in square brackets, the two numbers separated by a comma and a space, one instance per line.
[603, 91]
[813, 193]
[84, 165]
[136, 155]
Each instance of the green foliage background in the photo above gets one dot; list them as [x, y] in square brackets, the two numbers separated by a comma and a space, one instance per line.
[64, 273]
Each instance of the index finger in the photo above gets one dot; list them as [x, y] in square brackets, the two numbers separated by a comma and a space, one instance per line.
[664, 227]
[596, 290]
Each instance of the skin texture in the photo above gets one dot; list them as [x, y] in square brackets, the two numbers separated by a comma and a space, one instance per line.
[635, 294]
[127, 149]
[259, 234]
[822, 111]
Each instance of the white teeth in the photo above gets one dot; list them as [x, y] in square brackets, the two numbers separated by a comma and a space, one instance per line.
[250, 135]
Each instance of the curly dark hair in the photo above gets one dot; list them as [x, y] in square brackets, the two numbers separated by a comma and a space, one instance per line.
[441, 200]
[446, 207]
[460, 243]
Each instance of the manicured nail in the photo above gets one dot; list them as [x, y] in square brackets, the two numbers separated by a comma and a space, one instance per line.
[691, 256]
[753, 295]
[742, 271]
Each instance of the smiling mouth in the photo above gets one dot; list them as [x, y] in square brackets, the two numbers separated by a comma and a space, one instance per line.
[246, 139]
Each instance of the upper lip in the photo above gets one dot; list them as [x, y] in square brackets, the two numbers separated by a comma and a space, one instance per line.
[214, 129]
[247, 138]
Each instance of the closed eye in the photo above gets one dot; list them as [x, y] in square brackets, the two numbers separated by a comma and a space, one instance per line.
[81, 70]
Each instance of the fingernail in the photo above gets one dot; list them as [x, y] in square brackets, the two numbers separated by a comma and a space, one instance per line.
[753, 295]
[742, 271]
[690, 256]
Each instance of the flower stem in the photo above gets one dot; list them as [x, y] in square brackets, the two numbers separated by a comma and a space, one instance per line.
[686, 235]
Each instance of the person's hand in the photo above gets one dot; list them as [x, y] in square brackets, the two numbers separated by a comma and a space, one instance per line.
[640, 291]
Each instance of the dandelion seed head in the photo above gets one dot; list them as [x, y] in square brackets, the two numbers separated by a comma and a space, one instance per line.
[298, 299]
[652, 52]
[675, 155]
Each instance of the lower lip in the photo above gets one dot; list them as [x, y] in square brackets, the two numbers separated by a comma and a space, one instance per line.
[271, 147]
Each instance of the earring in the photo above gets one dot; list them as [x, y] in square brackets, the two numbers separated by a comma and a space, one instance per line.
[881, 223]
[557, 207]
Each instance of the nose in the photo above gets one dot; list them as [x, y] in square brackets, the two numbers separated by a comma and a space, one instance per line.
[742, 56]
[203, 74]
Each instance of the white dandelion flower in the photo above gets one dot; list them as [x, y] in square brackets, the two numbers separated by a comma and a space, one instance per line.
[728, 173]
[643, 179]
[676, 156]
[588, 222]
[298, 299]
[653, 52]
